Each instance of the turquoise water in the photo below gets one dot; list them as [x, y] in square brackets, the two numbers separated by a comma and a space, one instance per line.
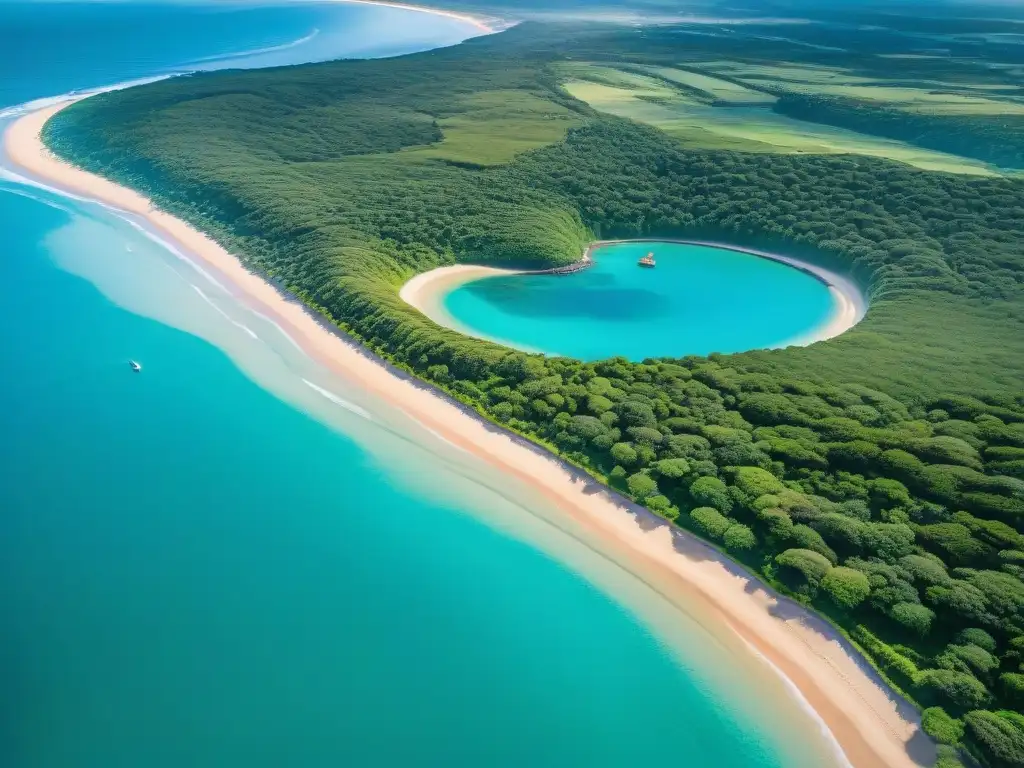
[696, 301]
[214, 564]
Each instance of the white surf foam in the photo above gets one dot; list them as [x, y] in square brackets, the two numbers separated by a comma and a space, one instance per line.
[224, 314]
[25, 181]
[168, 246]
[841, 759]
[339, 400]
[280, 330]
[257, 51]
[443, 439]
[46, 101]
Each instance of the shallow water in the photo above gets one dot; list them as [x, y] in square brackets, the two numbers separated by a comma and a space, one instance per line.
[235, 558]
[696, 301]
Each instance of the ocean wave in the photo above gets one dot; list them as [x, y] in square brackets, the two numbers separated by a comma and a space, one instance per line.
[339, 400]
[444, 439]
[842, 760]
[29, 196]
[224, 314]
[281, 330]
[47, 101]
[166, 245]
[15, 177]
[8, 175]
[257, 51]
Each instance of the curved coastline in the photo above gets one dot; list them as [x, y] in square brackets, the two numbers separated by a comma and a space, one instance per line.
[485, 25]
[873, 725]
[426, 291]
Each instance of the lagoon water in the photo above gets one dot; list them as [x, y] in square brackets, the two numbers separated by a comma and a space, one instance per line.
[696, 301]
[232, 559]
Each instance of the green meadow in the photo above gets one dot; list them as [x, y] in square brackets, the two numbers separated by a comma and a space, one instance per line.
[726, 120]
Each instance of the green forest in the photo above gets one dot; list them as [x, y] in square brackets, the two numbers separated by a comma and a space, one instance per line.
[877, 477]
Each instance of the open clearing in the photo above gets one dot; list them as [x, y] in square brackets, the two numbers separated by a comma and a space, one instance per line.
[747, 129]
[490, 128]
[930, 96]
[716, 88]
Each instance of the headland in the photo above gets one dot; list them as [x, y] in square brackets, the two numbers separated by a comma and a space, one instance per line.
[873, 725]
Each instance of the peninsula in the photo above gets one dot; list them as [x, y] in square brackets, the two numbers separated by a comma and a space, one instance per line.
[848, 696]
[875, 479]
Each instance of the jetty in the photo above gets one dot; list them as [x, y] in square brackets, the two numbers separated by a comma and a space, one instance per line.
[568, 269]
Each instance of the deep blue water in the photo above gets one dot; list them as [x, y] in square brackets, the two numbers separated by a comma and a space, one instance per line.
[211, 564]
[695, 301]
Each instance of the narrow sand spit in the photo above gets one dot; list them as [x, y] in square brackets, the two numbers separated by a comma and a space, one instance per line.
[873, 726]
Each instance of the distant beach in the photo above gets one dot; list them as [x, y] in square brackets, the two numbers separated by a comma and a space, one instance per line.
[873, 726]
[427, 290]
[486, 25]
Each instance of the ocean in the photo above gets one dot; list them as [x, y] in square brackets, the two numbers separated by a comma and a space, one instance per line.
[696, 300]
[236, 559]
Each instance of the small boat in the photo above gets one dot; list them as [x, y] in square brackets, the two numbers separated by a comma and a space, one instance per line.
[646, 261]
[134, 366]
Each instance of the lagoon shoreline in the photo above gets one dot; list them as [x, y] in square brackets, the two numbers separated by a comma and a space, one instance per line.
[873, 725]
[427, 290]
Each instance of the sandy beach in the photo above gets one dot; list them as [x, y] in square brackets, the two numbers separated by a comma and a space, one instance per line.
[487, 25]
[873, 726]
[426, 290]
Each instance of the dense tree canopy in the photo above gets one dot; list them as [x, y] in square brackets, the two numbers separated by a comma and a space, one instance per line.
[879, 476]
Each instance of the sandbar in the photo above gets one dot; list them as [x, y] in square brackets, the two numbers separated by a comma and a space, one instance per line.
[873, 725]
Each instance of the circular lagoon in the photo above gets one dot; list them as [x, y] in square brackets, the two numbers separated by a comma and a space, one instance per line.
[697, 299]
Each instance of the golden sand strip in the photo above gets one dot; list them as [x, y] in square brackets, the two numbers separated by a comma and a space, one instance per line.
[873, 726]
[481, 24]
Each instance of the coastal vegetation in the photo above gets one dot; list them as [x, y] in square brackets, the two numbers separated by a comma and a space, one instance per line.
[878, 477]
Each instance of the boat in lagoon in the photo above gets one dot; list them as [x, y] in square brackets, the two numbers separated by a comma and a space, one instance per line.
[134, 366]
[300, 620]
[705, 299]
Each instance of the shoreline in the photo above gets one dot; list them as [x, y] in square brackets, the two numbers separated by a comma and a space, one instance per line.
[488, 26]
[425, 292]
[872, 724]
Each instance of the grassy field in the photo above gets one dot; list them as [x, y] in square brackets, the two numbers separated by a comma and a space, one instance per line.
[933, 96]
[492, 127]
[717, 89]
[651, 100]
